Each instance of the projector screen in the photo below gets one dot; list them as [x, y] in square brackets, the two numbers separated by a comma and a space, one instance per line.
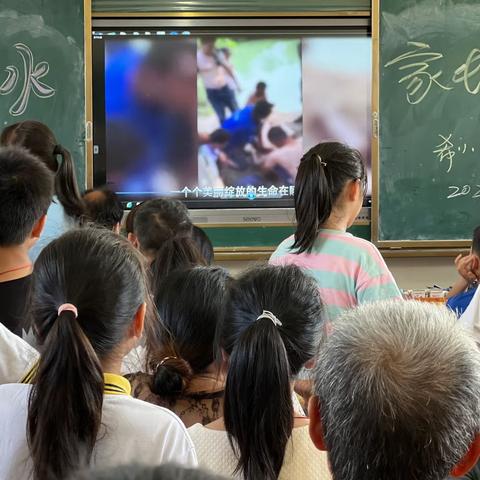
[223, 121]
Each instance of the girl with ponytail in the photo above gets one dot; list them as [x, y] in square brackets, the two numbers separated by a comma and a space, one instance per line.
[67, 207]
[329, 191]
[271, 328]
[73, 408]
[183, 375]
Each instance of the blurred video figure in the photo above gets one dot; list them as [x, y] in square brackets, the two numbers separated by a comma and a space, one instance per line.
[218, 76]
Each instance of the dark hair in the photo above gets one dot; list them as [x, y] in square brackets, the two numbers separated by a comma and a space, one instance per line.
[103, 276]
[264, 358]
[323, 173]
[40, 140]
[163, 229]
[219, 136]
[277, 134]
[142, 472]
[476, 241]
[204, 244]
[130, 218]
[262, 109]
[26, 190]
[103, 207]
[261, 86]
[190, 305]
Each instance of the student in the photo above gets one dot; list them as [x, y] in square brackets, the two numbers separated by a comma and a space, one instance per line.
[17, 357]
[67, 206]
[89, 304]
[204, 244]
[260, 94]
[270, 330]
[164, 235]
[468, 267]
[180, 350]
[104, 208]
[141, 472]
[210, 155]
[26, 190]
[397, 388]
[286, 155]
[329, 191]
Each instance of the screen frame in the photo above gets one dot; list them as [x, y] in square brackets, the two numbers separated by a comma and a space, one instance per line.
[342, 26]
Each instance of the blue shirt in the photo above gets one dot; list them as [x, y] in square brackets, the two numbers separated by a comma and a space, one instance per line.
[58, 222]
[461, 301]
[242, 127]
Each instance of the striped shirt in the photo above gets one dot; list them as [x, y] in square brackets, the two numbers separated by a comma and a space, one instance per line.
[349, 270]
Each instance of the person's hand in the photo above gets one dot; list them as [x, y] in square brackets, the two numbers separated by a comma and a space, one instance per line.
[468, 267]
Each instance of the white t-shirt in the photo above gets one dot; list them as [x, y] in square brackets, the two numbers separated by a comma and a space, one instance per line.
[302, 460]
[213, 75]
[131, 431]
[16, 356]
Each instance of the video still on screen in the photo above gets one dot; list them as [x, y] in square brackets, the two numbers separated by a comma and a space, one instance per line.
[228, 118]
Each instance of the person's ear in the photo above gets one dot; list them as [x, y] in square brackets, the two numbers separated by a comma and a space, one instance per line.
[38, 227]
[136, 329]
[354, 190]
[315, 426]
[225, 361]
[132, 238]
[469, 460]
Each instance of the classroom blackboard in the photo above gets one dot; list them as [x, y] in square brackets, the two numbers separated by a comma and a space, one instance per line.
[42, 69]
[429, 121]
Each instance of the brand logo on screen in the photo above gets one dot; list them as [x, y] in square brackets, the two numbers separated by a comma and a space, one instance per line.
[252, 219]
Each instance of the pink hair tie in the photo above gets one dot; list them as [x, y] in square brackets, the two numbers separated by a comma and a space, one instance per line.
[68, 307]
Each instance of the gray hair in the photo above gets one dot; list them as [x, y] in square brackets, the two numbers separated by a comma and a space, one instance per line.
[399, 392]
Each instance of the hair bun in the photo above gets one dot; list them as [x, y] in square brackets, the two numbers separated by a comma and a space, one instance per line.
[171, 377]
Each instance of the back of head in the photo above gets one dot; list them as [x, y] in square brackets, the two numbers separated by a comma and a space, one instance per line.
[262, 110]
[103, 207]
[159, 220]
[142, 472]
[266, 351]
[322, 175]
[40, 140]
[219, 136]
[476, 241]
[164, 233]
[277, 136]
[399, 392]
[261, 86]
[103, 276]
[26, 190]
[190, 304]
[204, 244]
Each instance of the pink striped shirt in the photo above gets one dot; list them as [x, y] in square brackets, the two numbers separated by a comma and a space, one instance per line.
[349, 270]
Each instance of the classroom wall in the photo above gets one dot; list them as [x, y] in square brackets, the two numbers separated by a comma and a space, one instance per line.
[410, 273]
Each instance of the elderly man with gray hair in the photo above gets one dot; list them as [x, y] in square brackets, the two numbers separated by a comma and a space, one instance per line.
[397, 394]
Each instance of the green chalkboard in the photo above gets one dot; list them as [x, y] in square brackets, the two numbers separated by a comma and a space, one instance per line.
[42, 69]
[429, 157]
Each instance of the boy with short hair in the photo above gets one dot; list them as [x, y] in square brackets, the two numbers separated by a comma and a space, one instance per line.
[26, 191]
